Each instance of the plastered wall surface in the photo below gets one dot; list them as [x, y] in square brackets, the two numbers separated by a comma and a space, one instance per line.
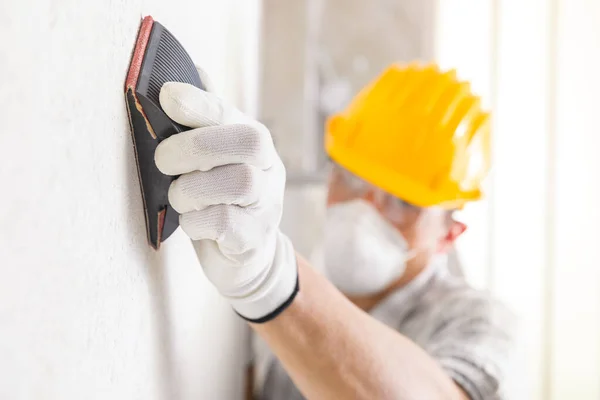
[87, 309]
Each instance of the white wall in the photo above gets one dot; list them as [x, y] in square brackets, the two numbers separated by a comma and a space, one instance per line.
[534, 241]
[87, 309]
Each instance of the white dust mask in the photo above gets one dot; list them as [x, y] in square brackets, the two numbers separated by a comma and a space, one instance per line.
[363, 252]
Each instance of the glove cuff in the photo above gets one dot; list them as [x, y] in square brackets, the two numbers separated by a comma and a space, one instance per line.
[277, 311]
[278, 289]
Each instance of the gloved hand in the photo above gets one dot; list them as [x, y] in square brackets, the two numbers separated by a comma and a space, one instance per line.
[230, 197]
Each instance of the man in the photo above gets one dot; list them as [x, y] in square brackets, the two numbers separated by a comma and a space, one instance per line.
[389, 321]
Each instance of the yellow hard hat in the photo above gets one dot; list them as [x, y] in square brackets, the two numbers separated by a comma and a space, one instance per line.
[417, 133]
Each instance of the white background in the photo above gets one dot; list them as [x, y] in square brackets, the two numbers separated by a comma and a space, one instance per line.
[535, 242]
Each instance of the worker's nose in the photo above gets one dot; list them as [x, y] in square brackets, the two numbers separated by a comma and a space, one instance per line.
[370, 195]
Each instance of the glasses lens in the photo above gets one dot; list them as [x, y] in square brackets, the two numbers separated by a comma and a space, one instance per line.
[346, 184]
[397, 210]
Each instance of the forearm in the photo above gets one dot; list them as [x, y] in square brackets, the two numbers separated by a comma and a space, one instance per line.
[332, 349]
[249, 394]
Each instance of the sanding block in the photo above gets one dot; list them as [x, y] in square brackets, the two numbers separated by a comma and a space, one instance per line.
[157, 58]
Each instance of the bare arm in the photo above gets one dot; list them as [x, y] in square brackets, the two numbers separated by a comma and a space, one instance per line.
[229, 194]
[249, 387]
[332, 349]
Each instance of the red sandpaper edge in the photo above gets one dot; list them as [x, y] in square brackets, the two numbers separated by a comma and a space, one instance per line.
[138, 53]
[161, 223]
[136, 65]
[133, 73]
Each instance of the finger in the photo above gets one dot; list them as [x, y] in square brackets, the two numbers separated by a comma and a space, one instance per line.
[235, 229]
[237, 184]
[205, 148]
[193, 107]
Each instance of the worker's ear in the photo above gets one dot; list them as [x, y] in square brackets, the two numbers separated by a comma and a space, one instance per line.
[455, 229]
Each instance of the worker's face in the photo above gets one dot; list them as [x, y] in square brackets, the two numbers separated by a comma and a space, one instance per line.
[427, 230]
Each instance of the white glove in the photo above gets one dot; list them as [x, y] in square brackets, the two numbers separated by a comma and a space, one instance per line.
[230, 197]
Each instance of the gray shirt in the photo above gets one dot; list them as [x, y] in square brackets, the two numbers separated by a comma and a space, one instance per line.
[469, 333]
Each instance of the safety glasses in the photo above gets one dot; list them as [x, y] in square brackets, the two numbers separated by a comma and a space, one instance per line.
[348, 186]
